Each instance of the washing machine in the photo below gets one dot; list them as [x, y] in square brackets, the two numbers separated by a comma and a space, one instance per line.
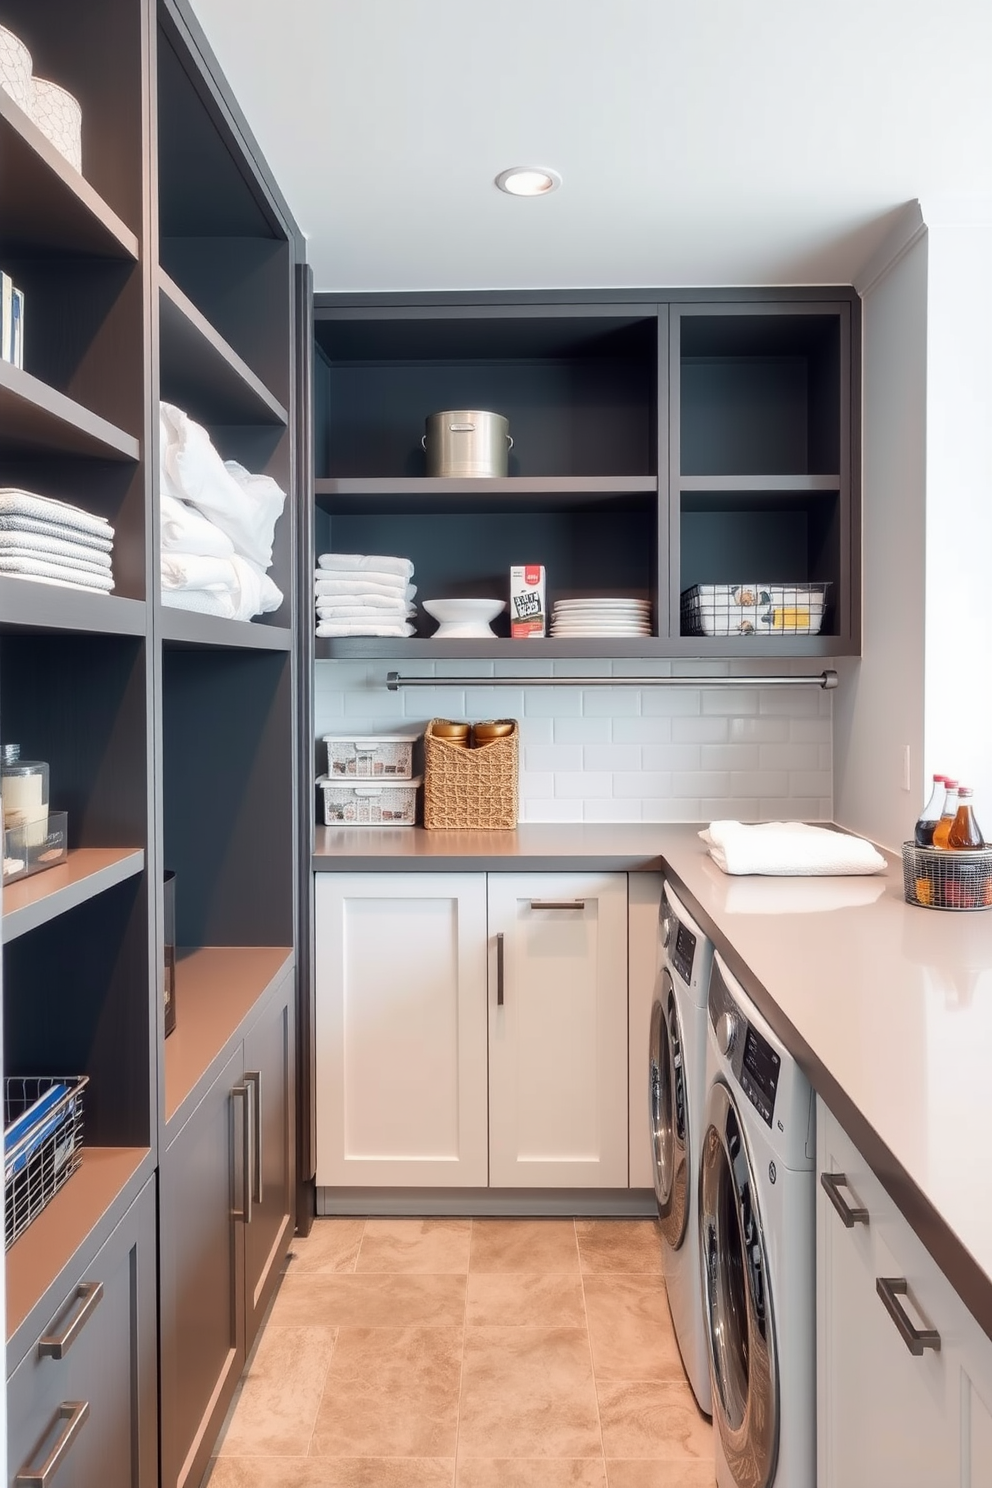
[677, 1097]
[757, 1247]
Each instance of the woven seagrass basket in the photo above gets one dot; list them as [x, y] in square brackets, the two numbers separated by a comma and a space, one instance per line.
[470, 788]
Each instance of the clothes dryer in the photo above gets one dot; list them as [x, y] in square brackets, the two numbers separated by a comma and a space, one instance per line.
[757, 1247]
[677, 1097]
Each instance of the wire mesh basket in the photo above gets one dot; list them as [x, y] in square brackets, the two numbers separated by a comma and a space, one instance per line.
[942, 878]
[754, 609]
[42, 1143]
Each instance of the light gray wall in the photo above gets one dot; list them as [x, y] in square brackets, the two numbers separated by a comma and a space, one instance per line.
[618, 754]
[879, 705]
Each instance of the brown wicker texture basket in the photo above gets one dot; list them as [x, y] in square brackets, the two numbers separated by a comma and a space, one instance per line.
[470, 788]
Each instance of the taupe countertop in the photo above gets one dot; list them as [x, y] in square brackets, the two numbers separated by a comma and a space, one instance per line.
[886, 1007]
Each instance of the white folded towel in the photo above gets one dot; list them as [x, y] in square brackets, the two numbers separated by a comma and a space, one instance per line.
[250, 590]
[328, 588]
[787, 849]
[15, 502]
[192, 470]
[56, 569]
[350, 604]
[362, 628]
[36, 545]
[188, 530]
[358, 562]
[60, 532]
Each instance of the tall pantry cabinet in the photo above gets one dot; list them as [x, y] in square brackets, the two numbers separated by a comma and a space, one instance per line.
[169, 268]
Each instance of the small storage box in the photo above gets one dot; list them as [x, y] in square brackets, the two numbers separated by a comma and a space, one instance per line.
[380, 756]
[754, 609]
[350, 803]
[42, 1143]
[35, 847]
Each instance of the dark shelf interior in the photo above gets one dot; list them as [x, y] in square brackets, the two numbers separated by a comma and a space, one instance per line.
[585, 552]
[580, 392]
[201, 373]
[759, 394]
[74, 1004]
[96, 52]
[228, 795]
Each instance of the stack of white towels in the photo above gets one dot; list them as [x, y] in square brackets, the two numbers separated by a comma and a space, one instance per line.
[218, 522]
[53, 542]
[364, 594]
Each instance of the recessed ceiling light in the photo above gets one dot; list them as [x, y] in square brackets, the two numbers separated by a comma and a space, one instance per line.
[528, 180]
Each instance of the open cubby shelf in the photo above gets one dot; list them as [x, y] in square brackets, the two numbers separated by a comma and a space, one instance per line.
[36, 418]
[201, 373]
[30, 902]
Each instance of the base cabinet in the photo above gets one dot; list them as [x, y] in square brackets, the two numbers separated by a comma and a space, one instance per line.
[471, 1030]
[904, 1374]
[226, 1191]
[83, 1402]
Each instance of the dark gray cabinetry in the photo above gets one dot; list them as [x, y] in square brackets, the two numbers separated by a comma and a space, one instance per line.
[662, 439]
[227, 1190]
[87, 1386]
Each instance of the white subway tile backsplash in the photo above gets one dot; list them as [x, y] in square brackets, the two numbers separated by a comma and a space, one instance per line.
[582, 730]
[611, 757]
[789, 756]
[583, 784]
[617, 754]
[699, 730]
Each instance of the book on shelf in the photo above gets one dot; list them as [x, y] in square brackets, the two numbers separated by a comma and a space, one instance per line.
[11, 321]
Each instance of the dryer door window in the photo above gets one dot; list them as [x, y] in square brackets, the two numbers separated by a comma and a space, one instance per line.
[668, 1114]
[736, 1298]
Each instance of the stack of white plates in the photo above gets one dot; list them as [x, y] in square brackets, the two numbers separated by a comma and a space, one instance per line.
[601, 617]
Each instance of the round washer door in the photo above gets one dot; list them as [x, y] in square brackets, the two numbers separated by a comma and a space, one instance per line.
[668, 1113]
[737, 1307]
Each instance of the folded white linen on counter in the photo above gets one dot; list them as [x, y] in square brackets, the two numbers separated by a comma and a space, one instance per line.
[359, 562]
[250, 590]
[362, 628]
[37, 545]
[56, 569]
[788, 848]
[192, 470]
[15, 502]
[59, 532]
[187, 530]
[366, 588]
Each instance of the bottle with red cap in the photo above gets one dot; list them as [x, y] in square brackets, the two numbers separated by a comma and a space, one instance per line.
[930, 815]
[964, 834]
[948, 812]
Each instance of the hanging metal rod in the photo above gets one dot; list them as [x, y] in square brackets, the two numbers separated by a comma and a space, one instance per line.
[826, 679]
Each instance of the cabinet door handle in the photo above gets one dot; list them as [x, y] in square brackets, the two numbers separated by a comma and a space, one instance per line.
[499, 969]
[557, 904]
[890, 1289]
[244, 1093]
[851, 1214]
[56, 1345]
[74, 1414]
[254, 1079]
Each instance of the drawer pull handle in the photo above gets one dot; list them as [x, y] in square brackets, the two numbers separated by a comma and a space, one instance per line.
[74, 1413]
[254, 1079]
[851, 1214]
[557, 904]
[244, 1094]
[499, 969]
[56, 1346]
[890, 1289]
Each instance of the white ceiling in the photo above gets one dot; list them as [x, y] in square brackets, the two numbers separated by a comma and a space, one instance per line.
[699, 141]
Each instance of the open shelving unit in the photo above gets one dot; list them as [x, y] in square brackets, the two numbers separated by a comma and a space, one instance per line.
[661, 440]
[166, 269]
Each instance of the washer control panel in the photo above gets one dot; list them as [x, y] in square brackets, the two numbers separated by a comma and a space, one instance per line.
[683, 953]
[760, 1066]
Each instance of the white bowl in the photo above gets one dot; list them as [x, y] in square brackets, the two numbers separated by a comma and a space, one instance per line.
[464, 619]
[15, 69]
[60, 119]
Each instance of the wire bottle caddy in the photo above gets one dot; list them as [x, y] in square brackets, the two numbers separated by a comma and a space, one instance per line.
[945, 878]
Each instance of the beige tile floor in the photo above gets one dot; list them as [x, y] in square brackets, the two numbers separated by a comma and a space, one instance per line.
[468, 1353]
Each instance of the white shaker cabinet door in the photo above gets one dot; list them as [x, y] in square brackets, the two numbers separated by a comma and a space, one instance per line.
[400, 963]
[558, 1030]
[887, 1417]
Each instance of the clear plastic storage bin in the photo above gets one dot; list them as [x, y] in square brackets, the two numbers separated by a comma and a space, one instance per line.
[350, 803]
[754, 609]
[376, 757]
